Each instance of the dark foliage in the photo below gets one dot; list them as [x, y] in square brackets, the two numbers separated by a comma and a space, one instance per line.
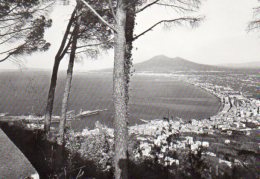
[22, 27]
[49, 159]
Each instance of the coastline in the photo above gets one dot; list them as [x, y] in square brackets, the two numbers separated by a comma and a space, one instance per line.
[176, 101]
[221, 104]
[223, 119]
[182, 78]
[208, 88]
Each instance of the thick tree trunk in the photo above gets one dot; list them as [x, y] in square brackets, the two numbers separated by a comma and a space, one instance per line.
[119, 95]
[66, 94]
[62, 50]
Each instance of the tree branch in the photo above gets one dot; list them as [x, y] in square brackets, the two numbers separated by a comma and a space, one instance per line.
[97, 14]
[175, 6]
[66, 48]
[63, 43]
[89, 45]
[87, 51]
[10, 50]
[178, 20]
[15, 31]
[7, 25]
[6, 57]
[33, 10]
[9, 11]
[10, 19]
[7, 39]
[148, 5]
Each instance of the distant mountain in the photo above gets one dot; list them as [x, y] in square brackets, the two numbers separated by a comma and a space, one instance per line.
[163, 64]
[249, 65]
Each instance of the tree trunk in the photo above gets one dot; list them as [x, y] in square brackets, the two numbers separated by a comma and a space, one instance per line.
[66, 94]
[119, 95]
[49, 107]
[129, 32]
[65, 101]
[62, 50]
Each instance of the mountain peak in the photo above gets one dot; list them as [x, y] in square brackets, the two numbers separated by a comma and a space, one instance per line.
[159, 57]
[164, 64]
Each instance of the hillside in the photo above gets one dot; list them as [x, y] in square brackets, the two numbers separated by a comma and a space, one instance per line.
[165, 64]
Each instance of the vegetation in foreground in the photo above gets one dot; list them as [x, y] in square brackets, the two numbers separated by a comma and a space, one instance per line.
[89, 154]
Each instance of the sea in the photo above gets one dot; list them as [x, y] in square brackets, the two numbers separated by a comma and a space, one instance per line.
[151, 97]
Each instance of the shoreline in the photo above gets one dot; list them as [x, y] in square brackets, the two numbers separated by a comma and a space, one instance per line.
[187, 112]
[220, 98]
[180, 78]
[221, 104]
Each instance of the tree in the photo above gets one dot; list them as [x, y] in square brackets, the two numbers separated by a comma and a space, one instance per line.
[120, 93]
[93, 35]
[65, 44]
[23, 24]
[122, 63]
[123, 38]
[69, 77]
[255, 23]
[64, 47]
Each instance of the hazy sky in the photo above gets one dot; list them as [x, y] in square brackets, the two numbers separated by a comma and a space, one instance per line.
[221, 37]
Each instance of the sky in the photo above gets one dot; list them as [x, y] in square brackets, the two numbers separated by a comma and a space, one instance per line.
[221, 38]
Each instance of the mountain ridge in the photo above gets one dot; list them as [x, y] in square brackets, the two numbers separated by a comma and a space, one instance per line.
[164, 64]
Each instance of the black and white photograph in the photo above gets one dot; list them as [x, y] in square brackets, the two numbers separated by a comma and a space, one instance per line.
[129, 89]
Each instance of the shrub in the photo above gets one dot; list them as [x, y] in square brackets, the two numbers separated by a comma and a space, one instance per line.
[98, 147]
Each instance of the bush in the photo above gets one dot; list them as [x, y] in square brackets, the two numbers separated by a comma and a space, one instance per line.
[98, 147]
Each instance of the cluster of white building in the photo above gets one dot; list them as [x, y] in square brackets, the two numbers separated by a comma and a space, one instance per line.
[237, 111]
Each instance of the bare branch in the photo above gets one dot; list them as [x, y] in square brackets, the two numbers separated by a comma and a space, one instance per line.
[97, 14]
[175, 6]
[15, 31]
[7, 25]
[9, 51]
[191, 20]
[148, 5]
[7, 39]
[7, 56]
[10, 19]
[189, 3]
